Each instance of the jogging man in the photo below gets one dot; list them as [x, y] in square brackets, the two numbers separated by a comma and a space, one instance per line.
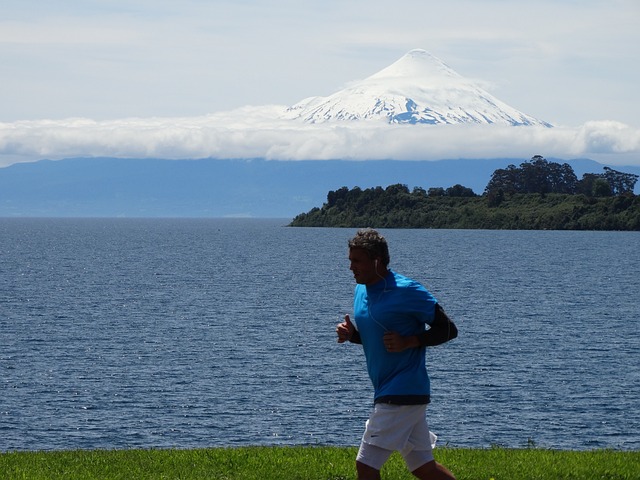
[391, 313]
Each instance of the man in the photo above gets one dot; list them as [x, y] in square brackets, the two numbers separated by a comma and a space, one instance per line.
[390, 314]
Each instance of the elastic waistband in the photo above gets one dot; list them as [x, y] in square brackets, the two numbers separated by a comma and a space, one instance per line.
[404, 399]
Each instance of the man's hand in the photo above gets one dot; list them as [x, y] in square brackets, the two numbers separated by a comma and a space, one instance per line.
[345, 330]
[394, 342]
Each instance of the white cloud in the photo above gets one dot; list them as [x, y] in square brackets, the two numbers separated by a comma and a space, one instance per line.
[608, 137]
[252, 132]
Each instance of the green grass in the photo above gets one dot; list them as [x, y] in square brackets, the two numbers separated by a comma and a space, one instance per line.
[312, 463]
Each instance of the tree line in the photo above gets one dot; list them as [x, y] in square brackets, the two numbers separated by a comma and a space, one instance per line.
[541, 176]
[537, 195]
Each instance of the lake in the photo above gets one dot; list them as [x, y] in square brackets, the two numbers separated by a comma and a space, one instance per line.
[184, 333]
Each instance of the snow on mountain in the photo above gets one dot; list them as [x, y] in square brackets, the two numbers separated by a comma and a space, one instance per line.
[417, 89]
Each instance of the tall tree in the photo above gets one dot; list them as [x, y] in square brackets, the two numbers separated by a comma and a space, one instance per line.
[538, 175]
[620, 182]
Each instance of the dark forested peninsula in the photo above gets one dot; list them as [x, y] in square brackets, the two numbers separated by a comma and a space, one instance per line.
[537, 195]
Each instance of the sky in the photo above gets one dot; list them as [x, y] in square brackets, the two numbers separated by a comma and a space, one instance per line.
[202, 78]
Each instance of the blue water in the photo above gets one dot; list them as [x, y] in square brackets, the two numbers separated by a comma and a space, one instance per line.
[123, 333]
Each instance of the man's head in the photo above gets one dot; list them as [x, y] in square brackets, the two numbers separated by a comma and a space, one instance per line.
[368, 255]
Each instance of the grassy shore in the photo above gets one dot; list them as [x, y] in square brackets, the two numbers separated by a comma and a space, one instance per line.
[312, 463]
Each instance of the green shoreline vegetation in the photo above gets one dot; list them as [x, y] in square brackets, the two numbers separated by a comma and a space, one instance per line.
[313, 463]
[538, 195]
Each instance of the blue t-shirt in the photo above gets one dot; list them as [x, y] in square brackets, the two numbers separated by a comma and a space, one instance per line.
[397, 304]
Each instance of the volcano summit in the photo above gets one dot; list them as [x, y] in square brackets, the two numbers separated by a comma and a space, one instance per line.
[419, 88]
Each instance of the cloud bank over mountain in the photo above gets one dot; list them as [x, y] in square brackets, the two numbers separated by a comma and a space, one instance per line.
[254, 133]
[418, 108]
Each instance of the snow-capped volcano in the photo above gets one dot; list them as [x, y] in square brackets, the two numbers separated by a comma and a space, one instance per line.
[418, 88]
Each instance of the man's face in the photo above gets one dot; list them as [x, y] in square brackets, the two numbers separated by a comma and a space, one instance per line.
[363, 267]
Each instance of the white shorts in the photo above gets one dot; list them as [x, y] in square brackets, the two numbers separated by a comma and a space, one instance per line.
[401, 428]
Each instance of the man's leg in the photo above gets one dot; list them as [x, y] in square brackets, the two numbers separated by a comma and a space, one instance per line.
[432, 471]
[369, 461]
[365, 472]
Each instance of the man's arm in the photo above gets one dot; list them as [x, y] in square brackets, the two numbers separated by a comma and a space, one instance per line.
[347, 331]
[441, 330]
[355, 338]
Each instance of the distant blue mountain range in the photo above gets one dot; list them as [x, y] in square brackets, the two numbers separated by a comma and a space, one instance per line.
[111, 187]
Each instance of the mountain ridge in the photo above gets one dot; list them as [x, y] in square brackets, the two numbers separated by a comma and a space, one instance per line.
[419, 88]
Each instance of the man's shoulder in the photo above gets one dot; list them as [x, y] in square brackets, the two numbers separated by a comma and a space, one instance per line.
[412, 289]
[402, 281]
